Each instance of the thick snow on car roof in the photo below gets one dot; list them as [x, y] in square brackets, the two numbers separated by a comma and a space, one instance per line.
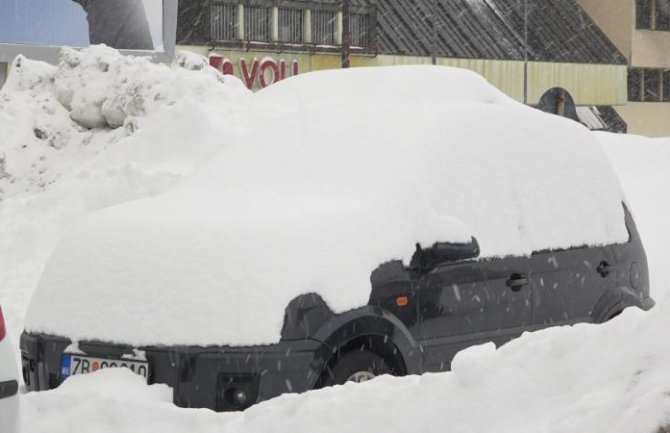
[313, 201]
[396, 84]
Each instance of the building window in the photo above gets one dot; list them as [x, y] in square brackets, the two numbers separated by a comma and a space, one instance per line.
[643, 13]
[634, 85]
[324, 27]
[291, 25]
[662, 14]
[360, 25]
[648, 85]
[257, 23]
[223, 22]
[652, 85]
[653, 15]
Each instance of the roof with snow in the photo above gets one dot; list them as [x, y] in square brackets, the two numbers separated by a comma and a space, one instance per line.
[558, 30]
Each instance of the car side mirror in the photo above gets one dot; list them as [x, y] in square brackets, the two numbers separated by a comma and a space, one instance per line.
[442, 252]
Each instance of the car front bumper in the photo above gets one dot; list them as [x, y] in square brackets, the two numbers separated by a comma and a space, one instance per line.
[203, 377]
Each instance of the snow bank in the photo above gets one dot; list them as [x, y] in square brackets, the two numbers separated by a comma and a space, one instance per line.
[102, 88]
[54, 170]
[52, 118]
[118, 403]
[302, 205]
[560, 380]
[642, 165]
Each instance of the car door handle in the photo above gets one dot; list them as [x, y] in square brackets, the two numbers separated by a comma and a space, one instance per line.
[604, 269]
[516, 282]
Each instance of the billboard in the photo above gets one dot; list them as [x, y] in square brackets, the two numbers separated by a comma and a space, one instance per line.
[38, 27]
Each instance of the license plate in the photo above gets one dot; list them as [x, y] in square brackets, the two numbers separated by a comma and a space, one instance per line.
[73, 364]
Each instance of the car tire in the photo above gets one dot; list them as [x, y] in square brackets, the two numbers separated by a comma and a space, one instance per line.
[357, 366]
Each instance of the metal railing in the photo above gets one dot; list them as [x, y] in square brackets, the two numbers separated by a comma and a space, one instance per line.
[223, 22]
[296, 26]
[291, 25]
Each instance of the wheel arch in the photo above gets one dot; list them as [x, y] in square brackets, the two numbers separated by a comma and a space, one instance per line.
[372, 329]
[613, 302]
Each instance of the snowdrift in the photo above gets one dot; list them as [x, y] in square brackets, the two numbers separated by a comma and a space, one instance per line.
[305, 205]
[54, 170]
[53, 117]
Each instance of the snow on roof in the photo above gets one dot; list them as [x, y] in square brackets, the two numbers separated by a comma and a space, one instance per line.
[313, 201]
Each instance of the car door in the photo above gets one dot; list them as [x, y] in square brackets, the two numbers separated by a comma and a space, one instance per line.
[465, 303]
[509, 278]
[567, 284]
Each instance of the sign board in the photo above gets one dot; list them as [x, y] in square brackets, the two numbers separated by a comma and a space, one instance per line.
[255, 73]
[39, 28]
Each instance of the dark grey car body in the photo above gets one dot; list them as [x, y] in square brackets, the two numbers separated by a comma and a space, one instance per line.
[417, 319]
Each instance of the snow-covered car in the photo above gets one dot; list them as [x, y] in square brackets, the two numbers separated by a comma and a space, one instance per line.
[9, 385]
[377, 221]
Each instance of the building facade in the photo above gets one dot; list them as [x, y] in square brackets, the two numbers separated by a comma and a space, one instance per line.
[525, 48]
[641, 31]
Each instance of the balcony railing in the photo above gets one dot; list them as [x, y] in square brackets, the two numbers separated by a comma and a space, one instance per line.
[291, 26]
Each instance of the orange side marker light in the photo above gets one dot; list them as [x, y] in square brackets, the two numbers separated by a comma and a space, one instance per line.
[402, 301]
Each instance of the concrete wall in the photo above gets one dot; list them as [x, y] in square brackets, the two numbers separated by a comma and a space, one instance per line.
[647, 118]
[616, 18]
[643, 49]
[651, 49]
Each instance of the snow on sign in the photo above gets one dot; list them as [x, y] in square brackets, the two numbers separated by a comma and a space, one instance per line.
[257, 73]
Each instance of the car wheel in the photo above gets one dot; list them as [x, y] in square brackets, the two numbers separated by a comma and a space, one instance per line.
[357, 366]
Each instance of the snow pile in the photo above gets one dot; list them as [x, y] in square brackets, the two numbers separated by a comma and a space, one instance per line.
[119, 403]
[302, 206]
[45, 109]
[642, 165]
[609, 378]
[560, 380]
[35, 127]
[101, 88]
[54, 170]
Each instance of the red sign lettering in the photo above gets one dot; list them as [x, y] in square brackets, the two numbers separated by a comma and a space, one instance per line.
[258, 74]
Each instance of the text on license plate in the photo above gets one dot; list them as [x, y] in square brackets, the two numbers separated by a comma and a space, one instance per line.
[78, 364]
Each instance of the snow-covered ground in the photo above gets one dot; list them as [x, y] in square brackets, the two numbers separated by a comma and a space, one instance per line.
[606, 378]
